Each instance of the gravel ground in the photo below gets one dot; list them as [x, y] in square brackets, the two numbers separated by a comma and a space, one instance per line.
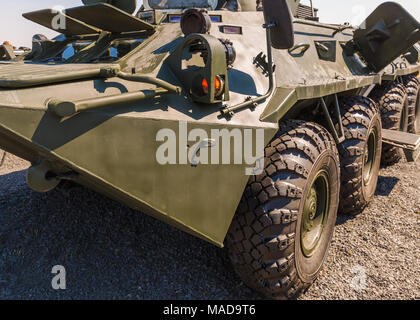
[112, 252]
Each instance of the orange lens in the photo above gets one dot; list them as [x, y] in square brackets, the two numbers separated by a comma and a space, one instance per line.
[217, 84]
[205, 86]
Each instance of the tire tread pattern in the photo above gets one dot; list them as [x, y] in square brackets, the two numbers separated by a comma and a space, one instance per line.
[412, 86]
[261, 237]
[390, 98]
[357, 115]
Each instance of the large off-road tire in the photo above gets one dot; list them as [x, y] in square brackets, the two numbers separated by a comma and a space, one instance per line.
[360, 153]
[412, 85]
[392, 100]
[283, 226]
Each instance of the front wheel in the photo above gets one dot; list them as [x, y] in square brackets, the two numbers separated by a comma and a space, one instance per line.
[279, 237]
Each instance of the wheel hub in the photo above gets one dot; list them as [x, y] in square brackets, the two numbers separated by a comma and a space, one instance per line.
[315, 214]
[370, 157]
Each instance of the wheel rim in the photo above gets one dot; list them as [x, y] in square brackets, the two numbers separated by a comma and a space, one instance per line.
[315, 214]
[370, 156]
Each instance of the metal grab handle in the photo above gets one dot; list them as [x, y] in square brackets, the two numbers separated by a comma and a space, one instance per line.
[303, 46]
[322, 46]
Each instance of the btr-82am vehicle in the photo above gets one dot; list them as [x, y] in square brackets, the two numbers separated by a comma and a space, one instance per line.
[235, 121]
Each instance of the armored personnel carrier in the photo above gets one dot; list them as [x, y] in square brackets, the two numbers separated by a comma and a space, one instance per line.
[248, 129]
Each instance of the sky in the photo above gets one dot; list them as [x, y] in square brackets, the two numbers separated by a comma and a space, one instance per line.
[19, 31]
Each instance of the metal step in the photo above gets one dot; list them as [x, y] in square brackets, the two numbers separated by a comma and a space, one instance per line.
[409, 142]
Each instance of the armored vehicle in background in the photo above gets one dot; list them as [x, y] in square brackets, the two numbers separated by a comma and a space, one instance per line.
[165, 111]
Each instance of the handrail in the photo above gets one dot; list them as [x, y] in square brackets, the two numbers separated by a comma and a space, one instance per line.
[315, 24]
[68, 108]
[227, 111]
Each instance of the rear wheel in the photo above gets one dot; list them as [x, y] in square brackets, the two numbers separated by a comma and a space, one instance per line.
[412, 85]
[280, 235]
[392, 99]
[360, 153]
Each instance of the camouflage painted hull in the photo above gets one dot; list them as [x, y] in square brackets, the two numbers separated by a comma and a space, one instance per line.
[113, 150]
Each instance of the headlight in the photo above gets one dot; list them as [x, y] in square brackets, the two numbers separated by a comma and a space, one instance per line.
[195, 21]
